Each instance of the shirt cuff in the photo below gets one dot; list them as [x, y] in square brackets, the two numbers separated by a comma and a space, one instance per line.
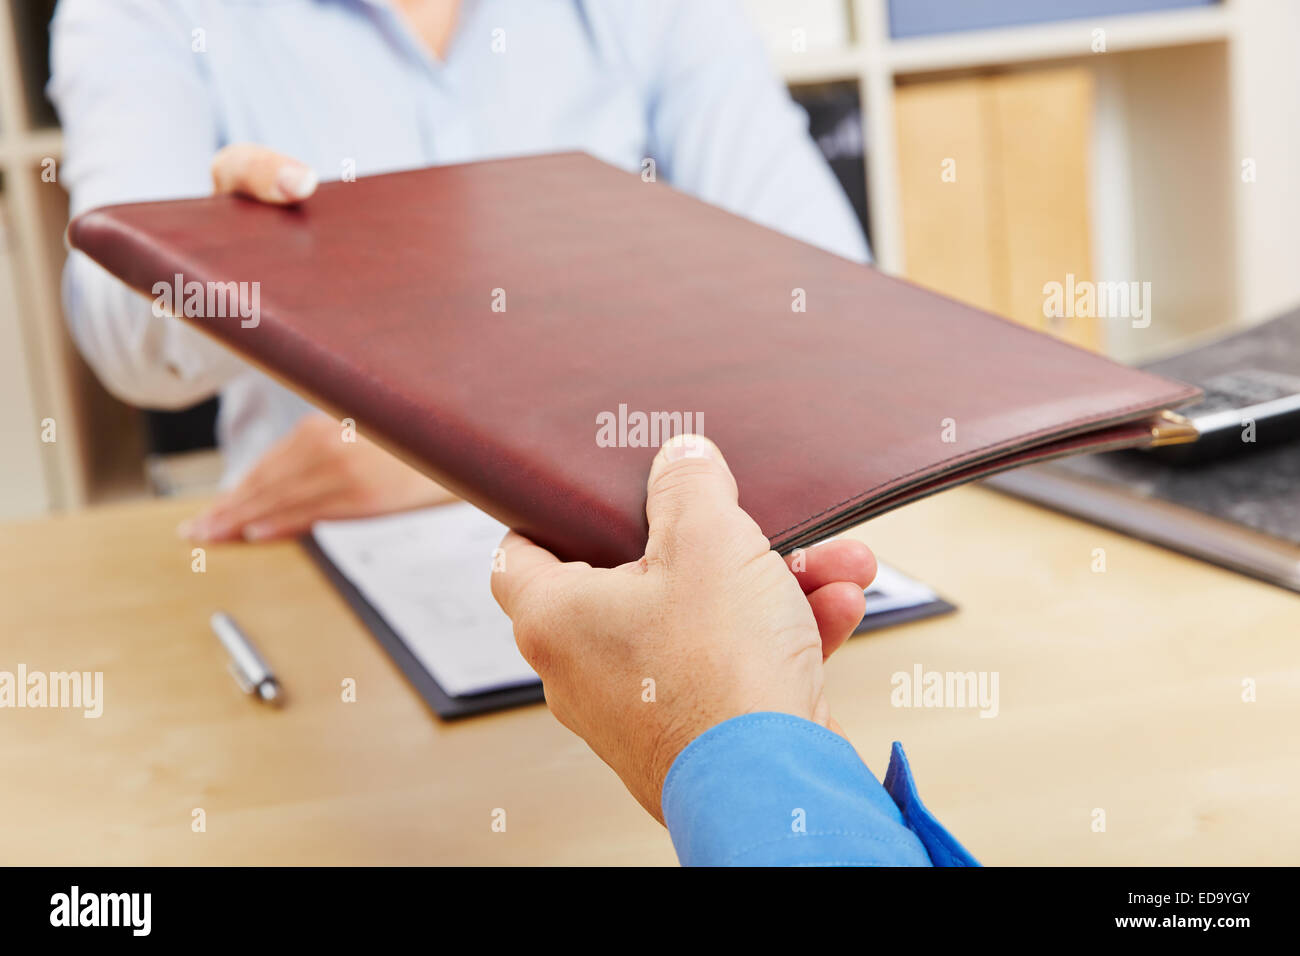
[774, 789]
[943, 848]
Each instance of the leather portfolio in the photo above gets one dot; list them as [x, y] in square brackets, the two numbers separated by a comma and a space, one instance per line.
[528, 331]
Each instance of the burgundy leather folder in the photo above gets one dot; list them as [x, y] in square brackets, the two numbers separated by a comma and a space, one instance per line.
[525, 331]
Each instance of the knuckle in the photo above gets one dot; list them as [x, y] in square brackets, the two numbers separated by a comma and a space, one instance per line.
[368, 497]
[222, 156]
[227, 161]
[771, 564]
[543, 608]
[499, 578]
[556, 707]
[533, 643]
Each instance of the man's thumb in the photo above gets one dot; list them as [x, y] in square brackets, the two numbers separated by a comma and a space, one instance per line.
[690, 484]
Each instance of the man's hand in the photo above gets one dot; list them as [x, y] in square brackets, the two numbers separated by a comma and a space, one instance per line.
[312, 474]
[641, 659]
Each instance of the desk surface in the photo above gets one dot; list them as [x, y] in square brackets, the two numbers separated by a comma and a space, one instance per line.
[1120, 691]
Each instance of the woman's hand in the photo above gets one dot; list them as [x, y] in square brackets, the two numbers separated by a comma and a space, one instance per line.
[262, 174]
[312, 474]
[641, 659]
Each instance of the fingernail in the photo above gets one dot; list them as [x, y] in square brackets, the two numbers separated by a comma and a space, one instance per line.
[687, 446]
[296, 182]
[256, 532]
[185, 529]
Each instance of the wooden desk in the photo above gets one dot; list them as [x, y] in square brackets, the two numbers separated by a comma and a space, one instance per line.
[1119, 690]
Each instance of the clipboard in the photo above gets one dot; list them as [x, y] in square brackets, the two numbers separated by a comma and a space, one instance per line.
[417, 675]
[903, 615]
[448, 707]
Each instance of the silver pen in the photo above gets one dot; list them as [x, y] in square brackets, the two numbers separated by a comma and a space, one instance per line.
[251, 673]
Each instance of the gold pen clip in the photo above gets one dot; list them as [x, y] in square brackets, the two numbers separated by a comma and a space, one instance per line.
[1170, 428]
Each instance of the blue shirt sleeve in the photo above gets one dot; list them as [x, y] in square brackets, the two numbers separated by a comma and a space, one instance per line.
[772, 789]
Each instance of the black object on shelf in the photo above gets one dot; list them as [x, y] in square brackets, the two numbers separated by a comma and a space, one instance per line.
[32, 32]
[192, 429]
[835, 122]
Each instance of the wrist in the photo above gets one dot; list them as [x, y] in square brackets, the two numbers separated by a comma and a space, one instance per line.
[670, 746]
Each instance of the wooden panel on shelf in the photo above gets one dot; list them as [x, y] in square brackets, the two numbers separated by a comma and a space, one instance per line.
[51, 395]
[952, 233]
[112, 437]
[993, 180]
[1041, 127]
[98, 452]
[24, 487]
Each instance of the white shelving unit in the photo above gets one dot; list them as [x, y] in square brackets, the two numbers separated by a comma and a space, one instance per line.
[1177, 103]
[96, 454]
